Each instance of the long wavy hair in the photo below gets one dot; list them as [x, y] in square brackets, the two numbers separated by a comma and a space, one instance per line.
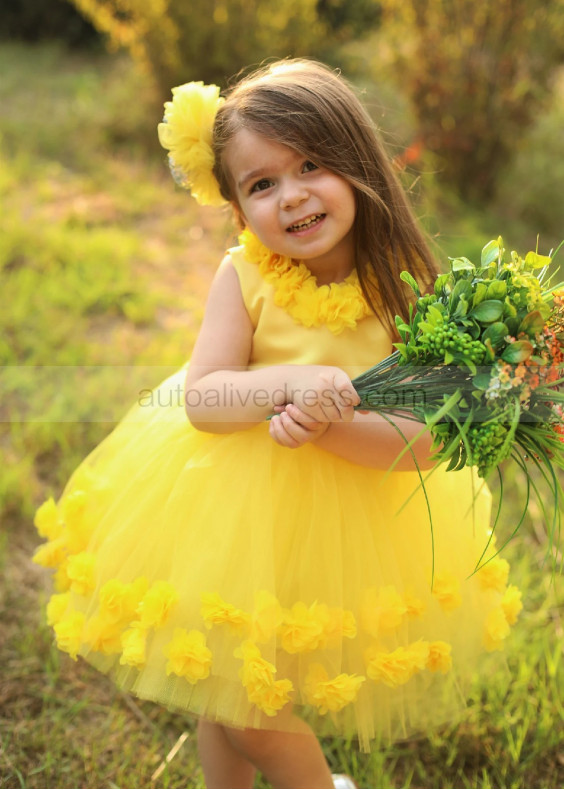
[314, 110]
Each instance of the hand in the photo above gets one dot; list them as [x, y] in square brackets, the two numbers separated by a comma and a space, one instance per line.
[292, 428]
[324, 394]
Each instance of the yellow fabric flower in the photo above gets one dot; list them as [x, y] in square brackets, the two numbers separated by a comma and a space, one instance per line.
[156, 605]
[57, 607]
[51, 554]
[256, 671]
[79, 530]
[73, 507]
[382, 609]
[188, 656]
[496, 630]
[511, 604]
[47, 520]
[414, 606]
[266, 617]
[303, 627]
[80, 570]
[493, 575]
[216, 611]
[398, 666]
[446, 590]
[338, 306]
[330, 695]
[341, 624]
[134, 644]
[186, 132]
[270, 699]
[68, 633]
[102, 636]
[257, 676]
[119, 600]
[440, 659]
[61, 578]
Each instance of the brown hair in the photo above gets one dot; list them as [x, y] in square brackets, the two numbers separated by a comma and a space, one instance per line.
[312, 109]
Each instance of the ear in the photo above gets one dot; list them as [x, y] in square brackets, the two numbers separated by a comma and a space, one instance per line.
[239, 216]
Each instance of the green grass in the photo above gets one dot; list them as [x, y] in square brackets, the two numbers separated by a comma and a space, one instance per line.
[104, 268]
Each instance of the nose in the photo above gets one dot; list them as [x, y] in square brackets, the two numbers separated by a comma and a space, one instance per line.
[292, 193]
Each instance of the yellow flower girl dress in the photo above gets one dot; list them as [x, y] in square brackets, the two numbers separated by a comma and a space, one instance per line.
[236, 579]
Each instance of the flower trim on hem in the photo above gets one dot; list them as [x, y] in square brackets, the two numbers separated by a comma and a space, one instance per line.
[128, 612]
[337, 306]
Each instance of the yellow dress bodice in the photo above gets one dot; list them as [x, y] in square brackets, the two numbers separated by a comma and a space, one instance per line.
[280, 340]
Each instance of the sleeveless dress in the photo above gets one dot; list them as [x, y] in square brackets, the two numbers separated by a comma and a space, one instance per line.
[239, 580]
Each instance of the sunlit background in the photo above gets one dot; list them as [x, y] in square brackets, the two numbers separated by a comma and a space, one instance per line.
[104, 269]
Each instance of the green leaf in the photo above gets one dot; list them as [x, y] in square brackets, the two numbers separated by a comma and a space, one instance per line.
[509, 308]
[410, 280]
[532, 324]
[496, 333]
[461, 308]
[491, 251]
[488, 311]
[479, 293]
[441, 285]
[462, 288]
[461, 264]
[402, 348]
[497, 290]
[481, 381]
[518, 351]
[535, 261]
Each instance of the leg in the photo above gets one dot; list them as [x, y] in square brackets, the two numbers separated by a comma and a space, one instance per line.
[287, 759]
[223, 765]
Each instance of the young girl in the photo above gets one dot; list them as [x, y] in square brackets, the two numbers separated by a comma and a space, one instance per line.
[243, 568]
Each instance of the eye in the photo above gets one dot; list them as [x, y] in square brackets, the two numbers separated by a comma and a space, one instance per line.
[260, 186]
[309, 166]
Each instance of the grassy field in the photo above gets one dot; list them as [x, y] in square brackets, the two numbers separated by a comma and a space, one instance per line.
[105, 267]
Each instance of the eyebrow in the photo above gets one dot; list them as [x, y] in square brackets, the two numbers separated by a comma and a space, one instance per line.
[250, 176]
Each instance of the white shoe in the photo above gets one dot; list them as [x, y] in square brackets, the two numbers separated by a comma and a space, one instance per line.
[343, 781]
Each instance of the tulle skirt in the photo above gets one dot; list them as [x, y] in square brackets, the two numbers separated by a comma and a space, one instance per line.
[241, 581]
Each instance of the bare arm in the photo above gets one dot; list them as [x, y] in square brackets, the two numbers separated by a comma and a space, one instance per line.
[371, 441]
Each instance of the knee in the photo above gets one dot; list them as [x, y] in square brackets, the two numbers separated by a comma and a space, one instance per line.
[254, 745]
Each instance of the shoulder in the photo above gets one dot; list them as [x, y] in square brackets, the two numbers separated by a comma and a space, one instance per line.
[253, 287]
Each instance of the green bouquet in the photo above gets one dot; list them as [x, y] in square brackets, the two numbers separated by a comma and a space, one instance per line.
[480, 364]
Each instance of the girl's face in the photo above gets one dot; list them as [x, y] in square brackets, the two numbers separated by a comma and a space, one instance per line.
[295, 207]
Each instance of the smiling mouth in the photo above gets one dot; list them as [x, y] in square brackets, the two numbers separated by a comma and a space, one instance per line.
[304, 224]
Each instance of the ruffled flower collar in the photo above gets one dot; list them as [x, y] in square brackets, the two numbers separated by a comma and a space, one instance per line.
[338, 306]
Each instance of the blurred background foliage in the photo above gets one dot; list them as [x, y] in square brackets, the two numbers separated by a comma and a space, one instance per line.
[476, 76]
[104, 269]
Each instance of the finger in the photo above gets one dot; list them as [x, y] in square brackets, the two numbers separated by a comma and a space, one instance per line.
[301, 417]
[296, 432]
[278, 432]
[344, 387]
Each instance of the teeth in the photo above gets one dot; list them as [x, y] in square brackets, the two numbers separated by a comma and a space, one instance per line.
[306, 223]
